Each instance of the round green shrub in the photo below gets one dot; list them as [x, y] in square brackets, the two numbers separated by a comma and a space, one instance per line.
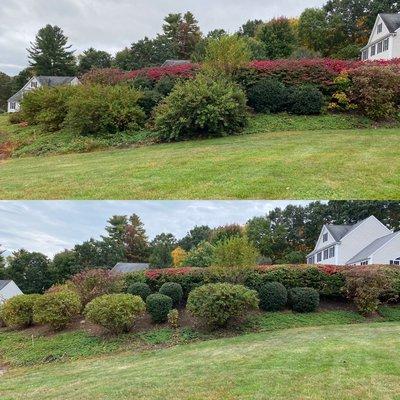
[268, 96]
[306, 100]
[158, 306]
[56, 308]
[216, 304]
[173, 290]
[115, 312]
[304, 299]
[201, 107]
[273, 296]
[140, 289]
[17, 312]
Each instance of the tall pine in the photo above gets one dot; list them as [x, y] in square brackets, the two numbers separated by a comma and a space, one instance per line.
[50, 54]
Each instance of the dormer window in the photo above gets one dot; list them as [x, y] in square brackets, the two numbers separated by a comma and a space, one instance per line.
[325, 237]
[380, 28]
[34, 85]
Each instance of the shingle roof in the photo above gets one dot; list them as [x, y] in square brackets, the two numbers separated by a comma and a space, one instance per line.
[4, 283]
[173, 63]
[392, 21]
[371, 248]
[340, 231]
[124, 268]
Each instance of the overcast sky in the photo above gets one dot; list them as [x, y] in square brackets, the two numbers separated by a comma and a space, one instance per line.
[51, 226]
[113, 24]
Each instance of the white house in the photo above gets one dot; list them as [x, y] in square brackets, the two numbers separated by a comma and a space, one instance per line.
[8, 289]
[364, 243]
[384, 42]
[14, 102]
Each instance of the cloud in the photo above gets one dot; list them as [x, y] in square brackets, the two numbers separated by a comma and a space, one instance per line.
[111, 25]
[51, 226]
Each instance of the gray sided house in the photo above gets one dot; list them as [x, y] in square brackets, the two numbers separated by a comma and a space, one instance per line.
[14, 102]
[126, 268]
[8, 289]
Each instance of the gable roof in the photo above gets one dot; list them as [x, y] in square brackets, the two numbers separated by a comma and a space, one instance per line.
[340, 231]
[125, 268]
[392, 21]
[173, 63]
[367, 251]
[4, 283]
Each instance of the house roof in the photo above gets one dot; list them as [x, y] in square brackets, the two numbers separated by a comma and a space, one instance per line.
[44, 81]
[340, 231]
[124, 268]
[4, 283]
[367, 251]
[392, 21]
[173, 63]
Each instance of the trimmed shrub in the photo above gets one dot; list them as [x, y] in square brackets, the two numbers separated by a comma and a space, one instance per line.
[268, 96]
[216, 304]
[57, 308]
[115, 312]
[273, 296]
[173, 290]
[158, 306]
[97, 109]
[303, 299]
[96, 282]
[306, 100]
[140, 289]
[202, 107]
[17, 312]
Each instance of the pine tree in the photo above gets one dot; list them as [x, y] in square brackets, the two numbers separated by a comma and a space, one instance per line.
[116, 228]
[50, 54]
[135, 240]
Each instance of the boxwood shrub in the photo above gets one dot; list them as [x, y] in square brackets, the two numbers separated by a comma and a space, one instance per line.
[201, 107]
[305, 100]
[304, 299]
[158, 306]
[17, 312]
[215, 305]
[273, 296]
[140, 289]
[268, 96]
[115, 312]
[56, 308]
[173, 290]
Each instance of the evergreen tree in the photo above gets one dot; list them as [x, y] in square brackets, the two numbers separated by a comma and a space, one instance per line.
[116, 228]
[92, 58]
[136, 243]
[161, 249]
[250, 28]
[195, 236]
[50, 54]
[64, 265]
[6, 90]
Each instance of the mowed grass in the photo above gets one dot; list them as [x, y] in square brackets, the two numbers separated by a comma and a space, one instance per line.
[338, 161]
[332, 362]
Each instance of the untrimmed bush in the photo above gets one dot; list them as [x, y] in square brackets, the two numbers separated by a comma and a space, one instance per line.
[15, 118]
[303, 300]
[140, 289]
[305, 100]
[57, 308]
[158, 306]
[96, 282]
[97, 109]
[173, 290]
[273, 296]
[115, 312]
[173, 318]
[17, 312]
[268, 96]
[216, 304]
[202, 107]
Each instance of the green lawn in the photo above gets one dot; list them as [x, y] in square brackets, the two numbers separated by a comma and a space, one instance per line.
[331, 163]
[332, 362]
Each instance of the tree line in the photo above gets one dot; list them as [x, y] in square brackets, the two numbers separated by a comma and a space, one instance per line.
[338, 29]
[283, 236]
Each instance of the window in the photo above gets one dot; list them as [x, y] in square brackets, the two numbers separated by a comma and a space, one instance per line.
[395, 262]
[380, 28]
[326, 254]
[12, 106]
[331, 252]
[364, 262]
[319, 257]
[365, 55]
[380, 47]
[325, 237]
[33, 84]
[311, 260]
[373, 50]
[386, 44]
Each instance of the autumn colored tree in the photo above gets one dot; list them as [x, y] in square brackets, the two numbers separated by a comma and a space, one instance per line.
[178, 256]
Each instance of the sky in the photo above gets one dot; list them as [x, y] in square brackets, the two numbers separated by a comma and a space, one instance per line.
[52, 226]
[112, 25]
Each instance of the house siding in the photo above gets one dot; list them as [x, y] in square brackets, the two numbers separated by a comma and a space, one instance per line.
[9, 291]
[390, 251]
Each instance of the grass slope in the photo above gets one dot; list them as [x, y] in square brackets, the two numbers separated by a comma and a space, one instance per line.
[332, 362]
[321, 164]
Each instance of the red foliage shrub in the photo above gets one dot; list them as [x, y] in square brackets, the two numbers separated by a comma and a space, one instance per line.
[156, 73]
